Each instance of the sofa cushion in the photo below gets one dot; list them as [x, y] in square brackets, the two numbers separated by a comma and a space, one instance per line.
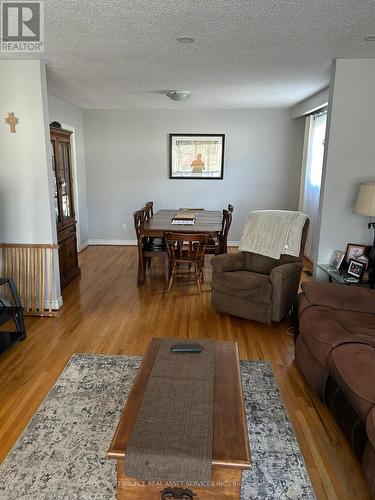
[353, 368]
[335, 296]
[324, 328]
[244, 284]
[370, 426]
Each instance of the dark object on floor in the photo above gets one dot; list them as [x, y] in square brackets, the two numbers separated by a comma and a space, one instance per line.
[11, 311]
[177, 493]
[334, 329]
[256, 287]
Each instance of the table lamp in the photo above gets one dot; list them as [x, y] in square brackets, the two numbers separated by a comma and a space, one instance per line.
[365, 205]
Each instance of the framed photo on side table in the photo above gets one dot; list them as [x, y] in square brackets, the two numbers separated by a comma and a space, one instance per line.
[353, 251]
[337, 259]
[196, 156]
[356, 269]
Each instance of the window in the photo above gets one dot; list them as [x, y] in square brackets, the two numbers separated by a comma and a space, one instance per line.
[312, 176]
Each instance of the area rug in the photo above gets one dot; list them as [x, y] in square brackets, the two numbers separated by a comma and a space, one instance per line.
[62, 452]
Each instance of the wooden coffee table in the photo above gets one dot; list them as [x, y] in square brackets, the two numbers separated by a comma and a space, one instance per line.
[231, 451]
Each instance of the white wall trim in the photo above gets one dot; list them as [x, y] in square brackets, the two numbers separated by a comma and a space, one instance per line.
[54, 304]
[113, 242]
[133, 243]
[84, 244]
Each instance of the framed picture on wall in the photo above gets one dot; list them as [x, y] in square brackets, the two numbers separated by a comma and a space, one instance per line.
[196, 156]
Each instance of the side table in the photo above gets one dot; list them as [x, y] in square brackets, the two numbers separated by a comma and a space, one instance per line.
[335, 276]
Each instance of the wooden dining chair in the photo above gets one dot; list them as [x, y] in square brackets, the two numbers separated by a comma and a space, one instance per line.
[151, 205]
[154, 244]
[226, 223]
[146, 250]
[220, 245]
[186, 248]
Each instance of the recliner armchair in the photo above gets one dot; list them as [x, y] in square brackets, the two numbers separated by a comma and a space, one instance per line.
[254, 286]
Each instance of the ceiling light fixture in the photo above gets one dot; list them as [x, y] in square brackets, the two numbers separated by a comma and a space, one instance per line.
[179, 95]
[369, 38]
[185, 39]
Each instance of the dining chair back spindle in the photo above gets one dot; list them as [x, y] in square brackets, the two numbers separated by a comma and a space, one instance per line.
[223, 237]
[220, 245]
[151, 205]
[139, 220]
[186, 248]
[147, 210]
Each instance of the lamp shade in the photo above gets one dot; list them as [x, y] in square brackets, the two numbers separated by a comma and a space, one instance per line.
[365, 203]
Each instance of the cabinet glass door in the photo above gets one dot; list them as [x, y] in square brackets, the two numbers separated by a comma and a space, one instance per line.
[55, 184]
[66, 183]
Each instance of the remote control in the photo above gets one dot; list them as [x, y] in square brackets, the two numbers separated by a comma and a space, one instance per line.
[185, 348]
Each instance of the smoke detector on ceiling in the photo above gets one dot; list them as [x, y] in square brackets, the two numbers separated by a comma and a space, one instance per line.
[179, 95]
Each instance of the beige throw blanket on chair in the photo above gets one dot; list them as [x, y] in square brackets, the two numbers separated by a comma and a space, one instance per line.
[273, 233]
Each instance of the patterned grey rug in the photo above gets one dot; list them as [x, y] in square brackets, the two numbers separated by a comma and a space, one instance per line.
[62, 452]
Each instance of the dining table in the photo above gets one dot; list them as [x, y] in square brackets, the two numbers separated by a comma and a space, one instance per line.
[206, 221]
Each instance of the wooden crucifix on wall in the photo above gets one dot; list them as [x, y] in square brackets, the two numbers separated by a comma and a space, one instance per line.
[12, 121]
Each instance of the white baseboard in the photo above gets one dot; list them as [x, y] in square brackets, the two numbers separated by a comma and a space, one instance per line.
[57, 303]
[84, 244]
[54, 304]
[134, 243]
[112, 242]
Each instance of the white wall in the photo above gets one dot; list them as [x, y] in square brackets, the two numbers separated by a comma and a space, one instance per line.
[26, 197]
[72, 116]
[25, 164]
[127, 164]
[349, 156]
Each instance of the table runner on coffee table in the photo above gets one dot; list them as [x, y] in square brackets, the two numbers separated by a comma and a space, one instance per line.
[172, 437]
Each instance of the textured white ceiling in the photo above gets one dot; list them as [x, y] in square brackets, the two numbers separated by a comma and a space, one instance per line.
[248, 53]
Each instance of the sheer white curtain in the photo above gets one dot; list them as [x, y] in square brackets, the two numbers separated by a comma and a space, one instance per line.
[313, 177]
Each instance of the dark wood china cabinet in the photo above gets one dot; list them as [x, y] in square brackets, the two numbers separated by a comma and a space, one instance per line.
[64, 204]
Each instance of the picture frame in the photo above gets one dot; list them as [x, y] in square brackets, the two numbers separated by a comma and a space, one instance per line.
[196, 156]
[354, 250]
[337, 259]
[364, 260]
[356, 268]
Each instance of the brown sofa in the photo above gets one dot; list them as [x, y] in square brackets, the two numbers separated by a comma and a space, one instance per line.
[256, 287]
[335, 349]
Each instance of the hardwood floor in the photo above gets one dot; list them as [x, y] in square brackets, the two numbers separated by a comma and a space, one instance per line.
[105, 312]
